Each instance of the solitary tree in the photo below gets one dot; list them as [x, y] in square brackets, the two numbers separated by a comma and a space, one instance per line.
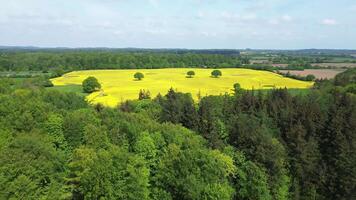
[190, 74]
[237, 89]
[91, 84]
[138, 76]
[216, 73]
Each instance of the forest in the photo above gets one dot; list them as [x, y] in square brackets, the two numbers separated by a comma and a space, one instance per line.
[80, 60]
[250, 145]
[59, 61]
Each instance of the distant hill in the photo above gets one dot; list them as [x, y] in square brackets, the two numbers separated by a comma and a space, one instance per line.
[303, 51]
[129, 50]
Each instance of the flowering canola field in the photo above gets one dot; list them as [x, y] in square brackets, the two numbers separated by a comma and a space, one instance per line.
[120, 85]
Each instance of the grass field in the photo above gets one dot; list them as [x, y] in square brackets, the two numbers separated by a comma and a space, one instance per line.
[78, 89]
[119, 85]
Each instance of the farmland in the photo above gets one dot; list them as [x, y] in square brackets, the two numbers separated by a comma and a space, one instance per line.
[318, 73]
[120, 85]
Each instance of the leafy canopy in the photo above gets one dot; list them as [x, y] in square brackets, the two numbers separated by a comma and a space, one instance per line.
[190, 74]
[91, 84]
[139, 76]
[216, 73]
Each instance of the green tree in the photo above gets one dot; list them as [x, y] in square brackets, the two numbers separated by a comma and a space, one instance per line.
[139, 76]
[95, 137]
[237, 89]
[91, 84]
[190, 74]
[108, 174]
[182, 172]
[145, 147]
[310, 77]
[75, 123]
[337, 146]
[250, 180]
[54, 128]
[211, 124]
[143, 94]
[248, 132]
[177, 108]
[216, 73]
[5, 137]
[31, 168]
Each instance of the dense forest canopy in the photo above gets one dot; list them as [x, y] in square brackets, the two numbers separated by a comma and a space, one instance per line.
[45, 61]
[251, 145]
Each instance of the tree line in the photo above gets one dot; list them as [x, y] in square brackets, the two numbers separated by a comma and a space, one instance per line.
[82, 60]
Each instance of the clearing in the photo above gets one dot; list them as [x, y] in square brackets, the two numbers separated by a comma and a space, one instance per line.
[120, 85]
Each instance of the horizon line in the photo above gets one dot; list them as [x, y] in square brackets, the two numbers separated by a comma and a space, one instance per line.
[165, 48]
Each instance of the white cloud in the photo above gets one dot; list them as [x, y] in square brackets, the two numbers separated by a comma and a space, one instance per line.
[163, 23]
[329, 22]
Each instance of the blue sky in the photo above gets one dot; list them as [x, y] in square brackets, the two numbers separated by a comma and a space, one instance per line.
[274, 24]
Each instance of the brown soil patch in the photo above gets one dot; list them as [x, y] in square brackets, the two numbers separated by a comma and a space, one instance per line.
[318, 73]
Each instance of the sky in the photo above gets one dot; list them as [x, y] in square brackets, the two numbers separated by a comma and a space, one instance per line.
[196, 24]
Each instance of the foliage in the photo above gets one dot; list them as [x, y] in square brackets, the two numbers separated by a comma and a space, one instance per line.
[138, 76]
[58, 62]
[251, 181]
[178, 108]
[346, 78]
[216, 73]
[31, 168]
[91, 84]
[253, 145]
[143, 94]
[310, 77]
[190, 74]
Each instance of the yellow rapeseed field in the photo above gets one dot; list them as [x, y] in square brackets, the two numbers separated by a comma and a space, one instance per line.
[120, 85]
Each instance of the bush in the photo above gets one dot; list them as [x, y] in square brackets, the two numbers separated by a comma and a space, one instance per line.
[47, 83]
[138, 76]
[91, 84]
[351, 88]
[310, 77]
[216, 73]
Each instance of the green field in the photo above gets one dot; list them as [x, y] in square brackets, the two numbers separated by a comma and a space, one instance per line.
[120, 85]
[69, 88]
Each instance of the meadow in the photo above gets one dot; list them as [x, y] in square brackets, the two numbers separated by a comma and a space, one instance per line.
[120, 85]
